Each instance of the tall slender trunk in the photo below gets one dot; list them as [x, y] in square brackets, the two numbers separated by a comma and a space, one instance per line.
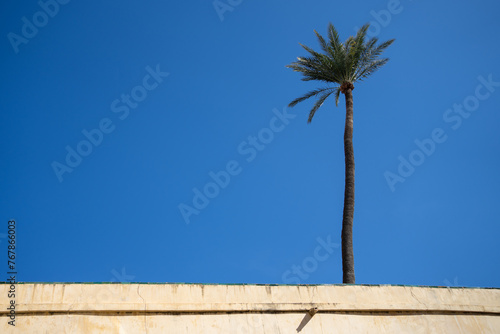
[347, 220]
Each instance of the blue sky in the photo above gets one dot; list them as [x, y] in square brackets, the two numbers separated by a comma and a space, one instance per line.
[166, 100]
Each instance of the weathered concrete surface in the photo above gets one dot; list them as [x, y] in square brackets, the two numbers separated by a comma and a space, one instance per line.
[197, 308]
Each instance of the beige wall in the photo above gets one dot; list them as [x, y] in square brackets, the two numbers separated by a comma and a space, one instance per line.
[196, 308]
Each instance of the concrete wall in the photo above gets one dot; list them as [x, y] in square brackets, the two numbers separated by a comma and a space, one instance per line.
[197, 308]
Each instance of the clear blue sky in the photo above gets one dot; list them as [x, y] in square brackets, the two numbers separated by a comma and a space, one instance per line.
[172, 93]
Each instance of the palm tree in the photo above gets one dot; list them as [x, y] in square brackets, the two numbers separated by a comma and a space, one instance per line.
[340, 66]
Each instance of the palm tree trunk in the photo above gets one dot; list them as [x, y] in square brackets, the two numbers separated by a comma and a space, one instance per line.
[347, 220]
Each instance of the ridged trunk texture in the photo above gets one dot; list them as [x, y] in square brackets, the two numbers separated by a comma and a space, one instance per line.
[348, 216]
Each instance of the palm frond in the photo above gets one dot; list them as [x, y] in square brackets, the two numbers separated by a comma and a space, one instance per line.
[309, 95]
[372, 68]
[322, 42]
[318, 104]
[311, 51]
[333, 36]
[337, 94]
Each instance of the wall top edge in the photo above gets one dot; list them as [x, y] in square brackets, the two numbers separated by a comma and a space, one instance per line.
[257, 284]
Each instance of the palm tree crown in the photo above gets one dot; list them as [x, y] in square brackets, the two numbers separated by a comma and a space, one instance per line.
[341, 63]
